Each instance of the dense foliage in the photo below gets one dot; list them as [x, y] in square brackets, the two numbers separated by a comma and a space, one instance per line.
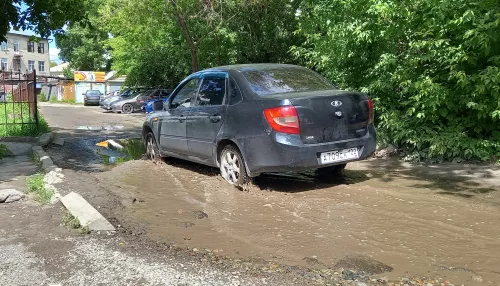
[432, 67]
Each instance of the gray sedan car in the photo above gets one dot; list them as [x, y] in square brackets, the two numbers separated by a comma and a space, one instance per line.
[134, 102]
[259, 118]
[91, 97]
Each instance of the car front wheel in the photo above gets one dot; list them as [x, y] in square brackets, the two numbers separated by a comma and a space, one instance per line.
[152, 151]
[232, 166]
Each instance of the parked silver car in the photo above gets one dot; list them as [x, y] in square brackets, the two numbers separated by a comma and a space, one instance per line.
[135, 102]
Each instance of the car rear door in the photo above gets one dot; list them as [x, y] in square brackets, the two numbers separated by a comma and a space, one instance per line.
[206, 117]
[173, 121]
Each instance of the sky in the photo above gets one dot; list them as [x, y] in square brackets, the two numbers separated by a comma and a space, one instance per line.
[53, 50]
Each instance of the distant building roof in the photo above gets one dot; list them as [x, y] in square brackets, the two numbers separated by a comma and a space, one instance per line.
[59, 68]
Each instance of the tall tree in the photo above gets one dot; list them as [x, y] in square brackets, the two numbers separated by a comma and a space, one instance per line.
[84, 47]
[41, 16]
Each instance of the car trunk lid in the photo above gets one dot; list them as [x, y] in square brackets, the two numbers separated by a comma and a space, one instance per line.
[329, 116]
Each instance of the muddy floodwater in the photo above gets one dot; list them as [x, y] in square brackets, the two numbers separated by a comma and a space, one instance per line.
[418, 225]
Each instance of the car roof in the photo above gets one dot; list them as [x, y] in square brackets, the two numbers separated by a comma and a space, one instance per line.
[248, 66]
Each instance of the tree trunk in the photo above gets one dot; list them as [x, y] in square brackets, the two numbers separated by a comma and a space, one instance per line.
[181, 20]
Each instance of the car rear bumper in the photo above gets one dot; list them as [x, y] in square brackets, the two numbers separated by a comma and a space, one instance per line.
[94, 101]
[280, 152]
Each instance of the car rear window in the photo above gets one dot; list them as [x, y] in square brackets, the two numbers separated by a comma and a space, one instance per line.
[93, 92]
[273, 80]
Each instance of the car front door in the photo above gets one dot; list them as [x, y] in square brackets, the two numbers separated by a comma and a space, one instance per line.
[173, 122]
[207, 115]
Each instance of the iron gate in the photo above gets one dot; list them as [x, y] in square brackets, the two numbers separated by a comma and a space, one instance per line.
[18, 104]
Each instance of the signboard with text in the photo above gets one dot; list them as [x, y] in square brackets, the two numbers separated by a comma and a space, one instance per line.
[89, 76]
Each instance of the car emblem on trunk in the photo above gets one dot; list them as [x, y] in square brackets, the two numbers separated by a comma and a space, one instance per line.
[336, 103]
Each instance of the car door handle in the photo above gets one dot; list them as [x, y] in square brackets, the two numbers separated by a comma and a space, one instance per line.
[181, 118]
[215, 118]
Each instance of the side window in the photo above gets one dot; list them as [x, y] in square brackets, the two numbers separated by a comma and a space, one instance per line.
[234, 93]
[212, 90]
[184, 95]
[154, 95]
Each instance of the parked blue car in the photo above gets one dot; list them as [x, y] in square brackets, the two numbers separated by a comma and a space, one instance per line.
[154, 104]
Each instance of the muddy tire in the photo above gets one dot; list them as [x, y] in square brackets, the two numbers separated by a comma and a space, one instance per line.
[331, 173]
[232, 166]
[152, 150]
[127, 108]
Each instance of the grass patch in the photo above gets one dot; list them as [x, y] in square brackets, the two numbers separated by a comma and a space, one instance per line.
[36, 186]
[34, 157]
[67, 101]
[3, 151]
[20, 113]
[133, 149]
[71, 222]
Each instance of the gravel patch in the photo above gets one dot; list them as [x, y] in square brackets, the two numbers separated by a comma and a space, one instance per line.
[18, 266]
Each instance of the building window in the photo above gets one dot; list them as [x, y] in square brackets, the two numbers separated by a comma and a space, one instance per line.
[41, 48]
[41, 66]
[5, 46]
[16, 46]
[16, 64]
[3, 64]
[31, 66]
[31, 47]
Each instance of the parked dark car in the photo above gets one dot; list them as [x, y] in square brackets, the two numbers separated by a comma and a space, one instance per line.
[135, 101]
[91, 96]
[258, 118]
[116, 95]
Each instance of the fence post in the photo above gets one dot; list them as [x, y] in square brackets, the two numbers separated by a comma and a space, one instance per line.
[35, 98]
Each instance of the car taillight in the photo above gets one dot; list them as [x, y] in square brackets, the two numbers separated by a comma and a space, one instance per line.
[283, 119]
[370, 112]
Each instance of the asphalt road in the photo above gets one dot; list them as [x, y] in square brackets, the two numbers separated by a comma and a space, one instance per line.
[77, 121]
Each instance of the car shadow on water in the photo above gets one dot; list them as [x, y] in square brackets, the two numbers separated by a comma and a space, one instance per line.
[445, 180]
[290, 182]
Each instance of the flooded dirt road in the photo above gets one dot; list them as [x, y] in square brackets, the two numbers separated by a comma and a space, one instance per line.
[420, 221]
[418, 225]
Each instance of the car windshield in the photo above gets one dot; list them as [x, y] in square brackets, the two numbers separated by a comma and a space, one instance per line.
[93, 92]
[273, 80]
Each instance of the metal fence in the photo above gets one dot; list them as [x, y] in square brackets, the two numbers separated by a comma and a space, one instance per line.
[18, 104]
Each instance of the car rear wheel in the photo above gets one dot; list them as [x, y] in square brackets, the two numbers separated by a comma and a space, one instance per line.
[127, 108]
[152, 151]
[331, 172]
[232, 166]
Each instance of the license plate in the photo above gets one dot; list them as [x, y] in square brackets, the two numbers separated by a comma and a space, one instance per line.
[339, 155]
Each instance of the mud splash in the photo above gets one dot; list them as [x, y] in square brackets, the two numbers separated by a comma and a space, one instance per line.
[396, 220]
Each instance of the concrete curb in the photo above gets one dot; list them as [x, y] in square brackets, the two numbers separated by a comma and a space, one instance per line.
[44, 158]
[86, 214]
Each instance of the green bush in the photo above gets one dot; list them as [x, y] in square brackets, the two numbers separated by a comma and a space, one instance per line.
[431, 67]
[42, 97]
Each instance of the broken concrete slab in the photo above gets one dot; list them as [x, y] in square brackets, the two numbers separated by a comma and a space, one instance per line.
[58, 141]
[10, 195]
[45, 139]
[86, 214]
